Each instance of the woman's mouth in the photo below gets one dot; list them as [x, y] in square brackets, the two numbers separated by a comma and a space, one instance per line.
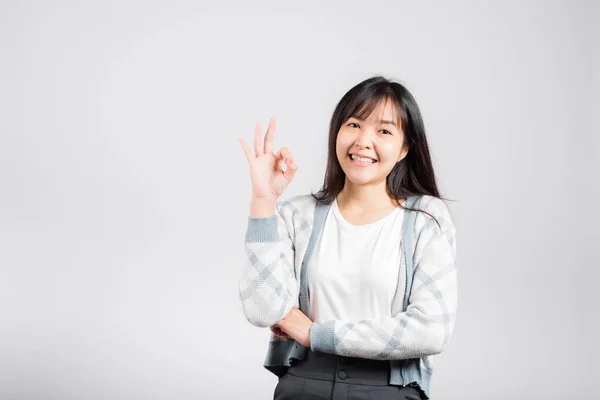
[360, 161]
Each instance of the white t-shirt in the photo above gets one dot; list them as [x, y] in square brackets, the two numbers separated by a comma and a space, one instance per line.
[354, 269]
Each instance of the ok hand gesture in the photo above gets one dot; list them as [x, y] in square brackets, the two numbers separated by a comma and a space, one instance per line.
[268, 177]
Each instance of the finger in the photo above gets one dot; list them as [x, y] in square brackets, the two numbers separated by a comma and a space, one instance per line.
[279, 161]
[278, 332]
[281, 156]
[278, 156]
[285, 152]
[246, 149]
[291, 169]
[258, 143]
[269, 136]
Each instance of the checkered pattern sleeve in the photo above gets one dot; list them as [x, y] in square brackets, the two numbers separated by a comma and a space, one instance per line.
[424, 328]
[268, 289]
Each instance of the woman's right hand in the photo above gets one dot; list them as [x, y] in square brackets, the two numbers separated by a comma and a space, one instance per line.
[277, 331]
[268, 178]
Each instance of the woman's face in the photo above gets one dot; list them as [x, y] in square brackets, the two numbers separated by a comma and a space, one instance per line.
[378, 138]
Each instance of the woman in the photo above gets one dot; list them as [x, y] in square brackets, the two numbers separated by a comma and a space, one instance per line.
[327, 271]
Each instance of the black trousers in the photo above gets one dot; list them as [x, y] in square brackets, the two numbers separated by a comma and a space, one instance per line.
[327, 376]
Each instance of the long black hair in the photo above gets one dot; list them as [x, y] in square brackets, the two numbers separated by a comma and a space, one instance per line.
[414, 174]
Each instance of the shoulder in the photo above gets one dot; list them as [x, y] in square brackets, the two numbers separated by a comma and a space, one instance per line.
[436, 208]
[430, 234]
[300, 201]
[297, 207]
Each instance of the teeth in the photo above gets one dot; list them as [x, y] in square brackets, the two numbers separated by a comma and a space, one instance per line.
[363, 160]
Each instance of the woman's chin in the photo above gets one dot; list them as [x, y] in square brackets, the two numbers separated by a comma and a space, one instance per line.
[358, 179]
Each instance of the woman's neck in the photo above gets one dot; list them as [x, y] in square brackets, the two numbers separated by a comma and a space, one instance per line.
[363, 198]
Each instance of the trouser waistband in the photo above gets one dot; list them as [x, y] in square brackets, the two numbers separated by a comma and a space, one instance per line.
[330, 367]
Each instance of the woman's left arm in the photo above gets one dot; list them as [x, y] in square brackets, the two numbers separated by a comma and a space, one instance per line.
[423, 329]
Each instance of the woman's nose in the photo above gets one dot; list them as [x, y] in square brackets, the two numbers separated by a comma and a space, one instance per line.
[364, 138]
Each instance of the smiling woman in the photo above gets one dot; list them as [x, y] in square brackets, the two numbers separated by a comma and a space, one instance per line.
[358, 281]
[374, 145]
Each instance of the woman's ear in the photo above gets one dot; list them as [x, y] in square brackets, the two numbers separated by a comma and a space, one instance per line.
[403, 153]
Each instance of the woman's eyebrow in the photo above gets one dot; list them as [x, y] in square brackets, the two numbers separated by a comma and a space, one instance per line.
[382, 122]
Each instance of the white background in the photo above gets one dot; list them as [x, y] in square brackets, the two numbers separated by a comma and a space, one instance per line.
[124, 195]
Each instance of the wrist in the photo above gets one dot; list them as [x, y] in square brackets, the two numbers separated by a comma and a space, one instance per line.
[262, 208]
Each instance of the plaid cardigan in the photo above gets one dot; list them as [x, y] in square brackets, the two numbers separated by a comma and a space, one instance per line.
[274, 280]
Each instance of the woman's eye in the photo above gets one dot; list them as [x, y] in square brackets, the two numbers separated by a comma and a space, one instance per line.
[355, 125]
